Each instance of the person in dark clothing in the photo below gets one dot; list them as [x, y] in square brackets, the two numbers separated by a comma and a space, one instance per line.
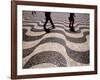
[33, 12]
[71, 22]
[48, 18]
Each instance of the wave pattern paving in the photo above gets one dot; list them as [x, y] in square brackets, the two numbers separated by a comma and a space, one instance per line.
[60, 47]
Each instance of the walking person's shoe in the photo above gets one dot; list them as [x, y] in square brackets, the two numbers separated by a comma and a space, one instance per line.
[53, 26]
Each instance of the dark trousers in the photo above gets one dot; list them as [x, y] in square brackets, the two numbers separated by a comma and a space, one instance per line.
[71, 24]
[48, 19]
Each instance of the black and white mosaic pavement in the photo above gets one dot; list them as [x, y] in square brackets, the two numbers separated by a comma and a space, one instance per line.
[60, 47]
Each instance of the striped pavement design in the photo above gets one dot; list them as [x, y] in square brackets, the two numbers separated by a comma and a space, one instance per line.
[60, 47]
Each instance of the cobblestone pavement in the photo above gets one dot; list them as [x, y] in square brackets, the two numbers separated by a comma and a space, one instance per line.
[60, 47]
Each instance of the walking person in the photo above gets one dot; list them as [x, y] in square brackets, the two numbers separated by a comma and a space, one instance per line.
[71, 22]
[48, 18]
[33, 13]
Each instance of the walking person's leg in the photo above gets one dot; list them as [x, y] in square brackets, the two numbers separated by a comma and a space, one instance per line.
[52, 23]
[45, 24]
[72, 26]
[47, 30]
[69, 24]
[33, 13]
[73, 23]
